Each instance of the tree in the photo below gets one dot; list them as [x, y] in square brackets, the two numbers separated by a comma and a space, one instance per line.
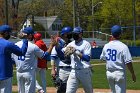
[83, 11]
[2, 11]
[117, 12]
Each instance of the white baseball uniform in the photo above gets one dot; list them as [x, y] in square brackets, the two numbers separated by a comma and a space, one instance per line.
[41, 72]
[63, 68]
[116, 55]
[26, 66]
[81, 70]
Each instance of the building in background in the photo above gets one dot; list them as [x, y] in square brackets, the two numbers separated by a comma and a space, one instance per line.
[52, 24]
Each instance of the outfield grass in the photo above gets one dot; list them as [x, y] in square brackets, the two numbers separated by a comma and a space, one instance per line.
[99, 77]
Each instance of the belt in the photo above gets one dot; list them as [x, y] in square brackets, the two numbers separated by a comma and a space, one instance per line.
[65, 67]
[79, 68]
[115, 70]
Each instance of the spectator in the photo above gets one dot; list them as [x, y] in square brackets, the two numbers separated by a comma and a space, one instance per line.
[42, 64]
[94, 44]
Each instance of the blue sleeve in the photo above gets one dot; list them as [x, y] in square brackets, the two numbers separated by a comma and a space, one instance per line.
[60, 54]
[54, 57]
[13, 62]
[19, 51]
[86, 58]
[46, 56]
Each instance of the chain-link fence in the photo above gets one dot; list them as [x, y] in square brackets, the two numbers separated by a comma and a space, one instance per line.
[86, 34]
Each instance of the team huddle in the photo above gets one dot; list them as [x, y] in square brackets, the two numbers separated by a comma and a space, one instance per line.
[70, 61]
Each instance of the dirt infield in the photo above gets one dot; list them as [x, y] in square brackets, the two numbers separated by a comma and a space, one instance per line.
[80, 90]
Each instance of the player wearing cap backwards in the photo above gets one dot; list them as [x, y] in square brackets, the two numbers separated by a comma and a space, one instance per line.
[80, 63]
[117, 55]
[26, 65]
[58, 60]
[42, 64]
[6, 49]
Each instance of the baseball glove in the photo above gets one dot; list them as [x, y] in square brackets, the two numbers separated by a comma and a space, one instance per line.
[69, 50]
[22, 35]
[59, 84]
[57, 81]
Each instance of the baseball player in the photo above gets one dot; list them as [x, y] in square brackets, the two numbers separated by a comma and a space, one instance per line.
[58, 60]
[6, 63]
[42, 64]
[117, 55]
[80, 63]
[27, 64]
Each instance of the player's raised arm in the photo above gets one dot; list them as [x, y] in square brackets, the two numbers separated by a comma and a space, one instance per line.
[11, 47]
[52, 44]
[20, 51]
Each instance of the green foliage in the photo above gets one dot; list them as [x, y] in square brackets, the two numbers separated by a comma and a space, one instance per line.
[34, 7]
[39, 28]
[138, 43]
[116, 12]
[131, 43]
[105, 15]
[130, 84]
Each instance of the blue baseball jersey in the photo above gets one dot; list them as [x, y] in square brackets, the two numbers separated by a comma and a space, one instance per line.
[116, 54]
[6, 63]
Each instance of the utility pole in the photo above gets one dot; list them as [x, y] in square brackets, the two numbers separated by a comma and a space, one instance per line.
[32, 21]
[93, 6]
[77, 13]
[74, 14]
[134, 22]
[6, 12]
[92, 17]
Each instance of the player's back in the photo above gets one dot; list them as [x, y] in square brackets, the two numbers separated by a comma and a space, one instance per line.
[29, 61]
[5, 59]
[114, 55]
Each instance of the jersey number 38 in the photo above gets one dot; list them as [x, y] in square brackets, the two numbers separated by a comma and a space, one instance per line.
[111, 55]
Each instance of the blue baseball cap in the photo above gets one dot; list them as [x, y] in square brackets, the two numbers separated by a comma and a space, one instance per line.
[66, 30]
[116, 30]
[5, 28]
[77, 30]
[28, 30]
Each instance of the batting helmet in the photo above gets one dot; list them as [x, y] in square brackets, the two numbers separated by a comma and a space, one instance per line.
[5, 28]
[28, 30]
[116, 30]
[37, 36]
[77, 30]
[66, 30]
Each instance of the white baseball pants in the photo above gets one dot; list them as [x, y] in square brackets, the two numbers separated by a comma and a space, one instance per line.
[64, 74]
[6, 85]
[84, 76]
[26, 82]
[41, 72]
[117, 81]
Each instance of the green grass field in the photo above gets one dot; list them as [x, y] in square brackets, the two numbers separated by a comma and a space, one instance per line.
[99, 77]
